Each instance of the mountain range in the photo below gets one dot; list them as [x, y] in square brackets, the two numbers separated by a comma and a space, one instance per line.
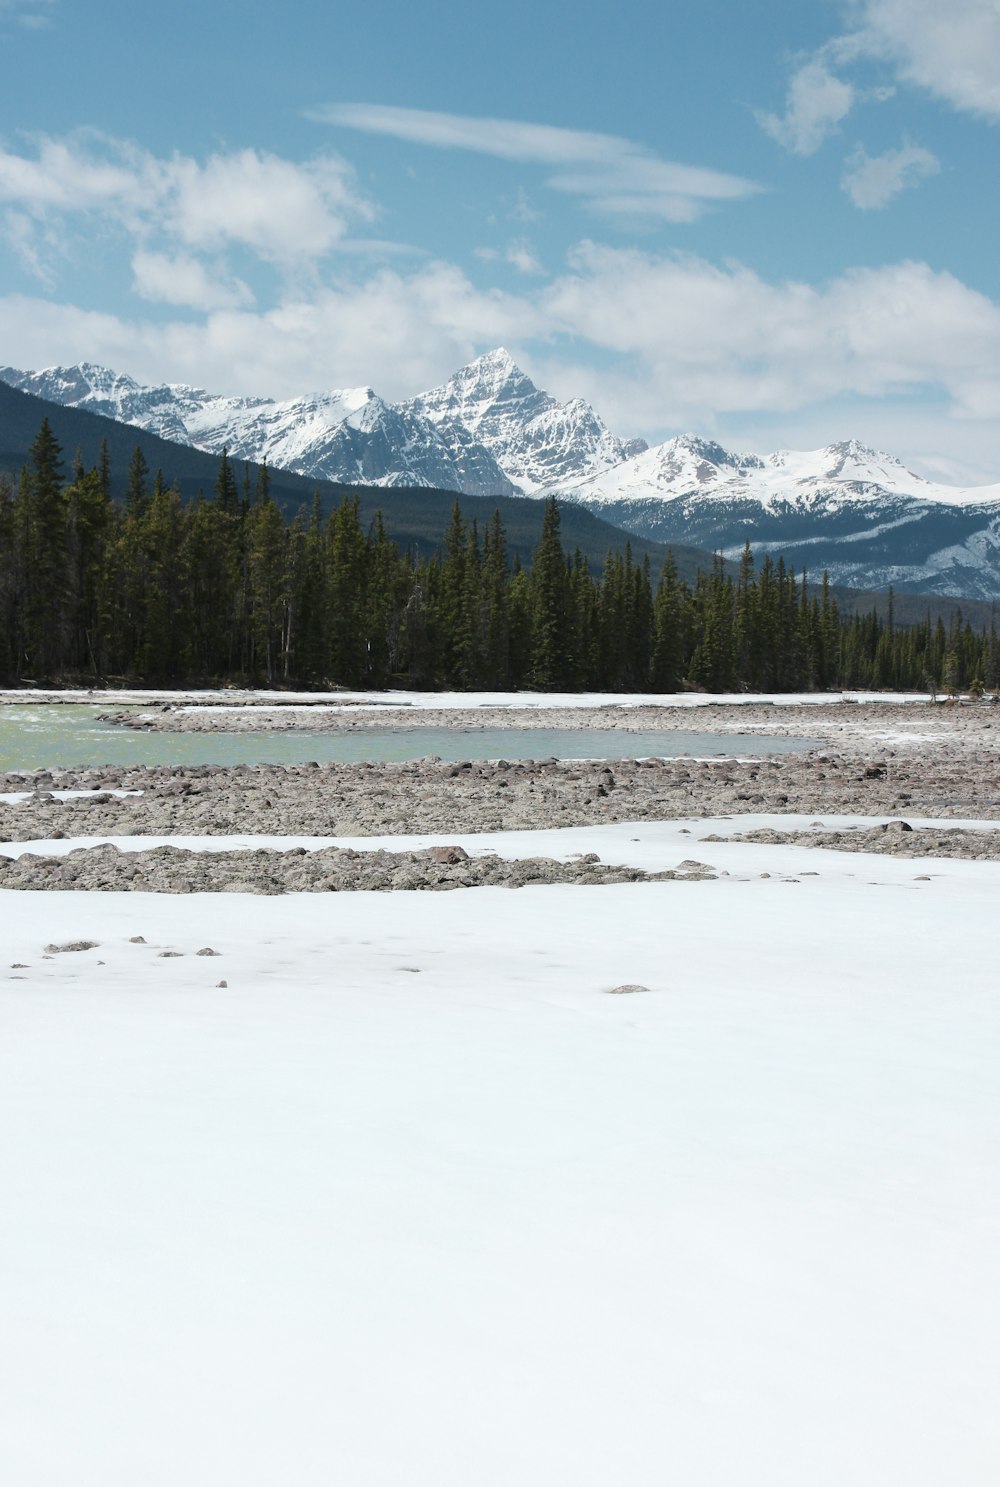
[490, 432]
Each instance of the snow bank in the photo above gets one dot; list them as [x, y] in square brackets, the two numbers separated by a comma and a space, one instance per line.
[412, 1200]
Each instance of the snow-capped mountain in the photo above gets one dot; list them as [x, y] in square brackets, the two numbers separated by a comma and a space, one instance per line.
[349, 435]
[853, 511]
[848, 509]
[538, 441]
[488, 431]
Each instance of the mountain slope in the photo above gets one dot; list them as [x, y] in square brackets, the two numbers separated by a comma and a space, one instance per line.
[345, 435]
[414, 517]
[535, 439]
[489, 431]
[852, 511]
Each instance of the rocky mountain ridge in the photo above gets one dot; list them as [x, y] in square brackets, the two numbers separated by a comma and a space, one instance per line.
[848, 510]
[855, 512]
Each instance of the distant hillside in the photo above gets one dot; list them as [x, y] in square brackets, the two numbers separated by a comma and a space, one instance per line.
[414, 516]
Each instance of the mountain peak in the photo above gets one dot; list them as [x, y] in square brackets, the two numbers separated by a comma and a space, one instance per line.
[499, 356]
[535, 439]
[494, 371]
[853, 449]
[499, 361]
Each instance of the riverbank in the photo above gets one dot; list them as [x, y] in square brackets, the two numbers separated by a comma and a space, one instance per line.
[318, 1124]
[882, 760]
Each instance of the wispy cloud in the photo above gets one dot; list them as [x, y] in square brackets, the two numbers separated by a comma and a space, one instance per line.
[518, 253]
[872, 181]
[612, 175]
[32, 15]
[817, 103]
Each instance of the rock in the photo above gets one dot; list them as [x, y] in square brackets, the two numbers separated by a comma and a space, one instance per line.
[448, 855]
[207, 950]
[170, 954]
[137, 939]
[71, 945]
[222, 983]
[627, 988]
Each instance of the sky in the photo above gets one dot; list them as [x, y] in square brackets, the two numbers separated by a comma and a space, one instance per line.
[772, 224]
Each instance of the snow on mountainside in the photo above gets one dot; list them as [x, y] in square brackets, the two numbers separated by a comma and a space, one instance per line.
[349, 435]
[688, 468]
[488, 430]
[537, 440]
[856, 513]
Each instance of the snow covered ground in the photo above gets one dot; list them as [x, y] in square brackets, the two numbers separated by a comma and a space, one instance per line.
[650, 845]
[457, 701]
[476, 701]
[413, 1202]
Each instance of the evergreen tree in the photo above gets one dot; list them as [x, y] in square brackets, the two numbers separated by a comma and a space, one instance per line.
[268, 573]
[668, 651]
[137, 484]
[548, 590]
[45, 565]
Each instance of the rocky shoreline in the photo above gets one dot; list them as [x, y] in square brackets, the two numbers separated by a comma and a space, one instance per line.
[329, 870]
[878, 760]
[828, 720]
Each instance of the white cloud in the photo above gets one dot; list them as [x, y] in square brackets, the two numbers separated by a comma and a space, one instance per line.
[182, 280]
[817, 103]
[873, 180]
[285, 213]
[20, 233]
[952, 50]
[671, 342]
[705, 339]
[281, 211]
[68, 176]
[522, 256]
[612, 175]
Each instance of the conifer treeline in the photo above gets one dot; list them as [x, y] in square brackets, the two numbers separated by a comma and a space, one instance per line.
[226, 588]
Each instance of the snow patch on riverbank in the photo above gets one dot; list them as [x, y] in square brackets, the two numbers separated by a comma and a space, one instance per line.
[411, 1199]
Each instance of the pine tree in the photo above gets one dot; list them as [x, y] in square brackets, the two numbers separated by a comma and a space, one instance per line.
[345, 603]
[496, 608]
[90, 522]
[137, 484]
[669, 640]
[548, 590]
[268, 588]
[46, 564]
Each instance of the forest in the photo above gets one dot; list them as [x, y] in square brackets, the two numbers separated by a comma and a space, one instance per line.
[226, 588]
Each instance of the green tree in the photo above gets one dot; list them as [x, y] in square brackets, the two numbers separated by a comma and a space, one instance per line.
[549, 607]
[46, 561]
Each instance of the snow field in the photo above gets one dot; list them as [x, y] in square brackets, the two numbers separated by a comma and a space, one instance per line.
[412, 1200]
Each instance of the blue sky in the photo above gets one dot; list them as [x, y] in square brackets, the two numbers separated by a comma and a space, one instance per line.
[772, 223]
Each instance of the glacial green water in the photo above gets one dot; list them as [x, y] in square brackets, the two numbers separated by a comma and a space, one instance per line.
[52, 737]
